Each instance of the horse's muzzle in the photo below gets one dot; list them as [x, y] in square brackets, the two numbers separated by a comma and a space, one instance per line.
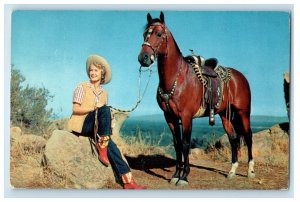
[146, 59]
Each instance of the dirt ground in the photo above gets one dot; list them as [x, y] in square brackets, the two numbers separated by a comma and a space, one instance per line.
[155, 172]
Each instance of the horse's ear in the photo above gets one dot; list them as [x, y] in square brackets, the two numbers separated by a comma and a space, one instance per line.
[149, 18]
[162, 17]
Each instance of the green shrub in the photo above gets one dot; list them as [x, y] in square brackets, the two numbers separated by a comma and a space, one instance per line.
[28, 105]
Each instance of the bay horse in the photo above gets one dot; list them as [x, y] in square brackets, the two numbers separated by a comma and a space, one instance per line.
[180, 94]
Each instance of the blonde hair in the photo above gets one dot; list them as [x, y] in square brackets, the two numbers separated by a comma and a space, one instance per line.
[103, 72]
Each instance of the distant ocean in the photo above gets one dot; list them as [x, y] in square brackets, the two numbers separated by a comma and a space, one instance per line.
[155, 131]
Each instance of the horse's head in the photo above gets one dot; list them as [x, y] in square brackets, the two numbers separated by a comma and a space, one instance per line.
[154, 40]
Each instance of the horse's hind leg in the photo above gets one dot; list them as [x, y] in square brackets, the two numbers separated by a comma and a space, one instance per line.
[234, 142]
[244, 128]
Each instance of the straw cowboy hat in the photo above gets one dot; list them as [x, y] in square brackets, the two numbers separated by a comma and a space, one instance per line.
[99, 60]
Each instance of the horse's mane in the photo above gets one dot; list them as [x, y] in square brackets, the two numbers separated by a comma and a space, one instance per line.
[158, 20]
[177, 47]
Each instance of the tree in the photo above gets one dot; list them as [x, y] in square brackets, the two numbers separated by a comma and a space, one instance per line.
[28, 105]
[15, 89]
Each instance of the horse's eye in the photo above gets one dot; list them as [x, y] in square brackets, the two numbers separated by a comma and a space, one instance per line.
[158, 34]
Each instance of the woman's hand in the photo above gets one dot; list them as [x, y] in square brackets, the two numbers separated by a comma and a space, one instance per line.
[99, 105]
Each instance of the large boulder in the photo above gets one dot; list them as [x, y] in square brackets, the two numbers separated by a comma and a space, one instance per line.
[71, 158]
[270, 145]
[118, 120]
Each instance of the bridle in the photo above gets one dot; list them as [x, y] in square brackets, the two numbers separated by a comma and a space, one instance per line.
[164, 95]
[158, 44]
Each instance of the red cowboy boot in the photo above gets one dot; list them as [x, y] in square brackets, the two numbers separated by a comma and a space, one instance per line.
[129, 182]
[102, 150]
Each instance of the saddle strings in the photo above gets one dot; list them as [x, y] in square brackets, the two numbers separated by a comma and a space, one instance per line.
[228, 108]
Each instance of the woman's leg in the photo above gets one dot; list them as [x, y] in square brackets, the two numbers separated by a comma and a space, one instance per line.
[88, 125]
[117, 162]
[103, 131]
[121, 168]
[104, 121]
[107, 148]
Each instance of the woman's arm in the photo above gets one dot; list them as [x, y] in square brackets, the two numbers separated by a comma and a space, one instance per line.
[79, 110]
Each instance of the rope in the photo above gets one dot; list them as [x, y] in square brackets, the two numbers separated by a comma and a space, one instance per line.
[96, 126]
[140, 97]
[136, 105]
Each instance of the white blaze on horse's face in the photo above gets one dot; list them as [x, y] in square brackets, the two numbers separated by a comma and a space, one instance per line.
[152, 58]
[153, 39]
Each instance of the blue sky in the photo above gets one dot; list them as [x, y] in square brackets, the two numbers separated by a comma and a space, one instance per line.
[50, 48]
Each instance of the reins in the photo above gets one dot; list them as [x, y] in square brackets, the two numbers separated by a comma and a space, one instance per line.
[139, 99]
[140, 96]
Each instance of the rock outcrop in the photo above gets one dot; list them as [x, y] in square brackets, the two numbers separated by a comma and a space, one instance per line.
[75, 159]
[270, 145]
[71, 157]
[72, 162]
[119, 118]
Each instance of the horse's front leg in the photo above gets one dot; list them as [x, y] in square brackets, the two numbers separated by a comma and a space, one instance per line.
[186, 143]
[173, 123]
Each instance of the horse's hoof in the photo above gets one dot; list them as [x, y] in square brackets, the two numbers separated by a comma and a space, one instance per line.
[251, 174]
[231, 175]
[181, 183]
[174, 180]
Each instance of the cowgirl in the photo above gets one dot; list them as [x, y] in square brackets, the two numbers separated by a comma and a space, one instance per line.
[90, 99]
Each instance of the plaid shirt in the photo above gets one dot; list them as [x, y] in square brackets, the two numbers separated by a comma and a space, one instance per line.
[79, 94]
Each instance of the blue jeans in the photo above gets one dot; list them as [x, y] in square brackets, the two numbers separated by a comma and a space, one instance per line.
[119, 166]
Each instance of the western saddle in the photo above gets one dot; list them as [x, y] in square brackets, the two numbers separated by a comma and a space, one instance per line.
[213, 77]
